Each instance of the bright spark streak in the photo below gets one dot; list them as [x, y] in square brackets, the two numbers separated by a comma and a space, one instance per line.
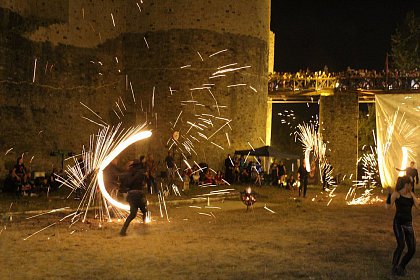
[251, 87]
[219, 129]
[8, 151]
[177, 119]
[224, 66]
[236, 85]
[193, 206]
[329, 202]
[229, 70]
[113, 21]
[205, 214]
[220, 147]
[199, 54]
[138, 6]
[268, 209]
[226, 182]
[216, 53]
[99, 124]
[251, 146]
[227, 137]
[153, 98]
[147, 44]
[132, 93]
[92, 111]
[185, 66]
[217, 76]
[122, 102]
[404, 161]
[33, 79]
[199, 88]
[52, 211]
[26, 238]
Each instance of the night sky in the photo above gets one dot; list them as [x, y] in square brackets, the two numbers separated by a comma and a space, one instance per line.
[335, 33]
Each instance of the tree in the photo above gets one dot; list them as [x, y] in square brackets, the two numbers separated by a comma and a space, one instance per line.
[405, 44]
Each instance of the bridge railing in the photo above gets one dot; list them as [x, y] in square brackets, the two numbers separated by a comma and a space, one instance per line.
[298, 84]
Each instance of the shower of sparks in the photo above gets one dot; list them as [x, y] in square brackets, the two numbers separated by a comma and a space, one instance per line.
[216, 53]
[312, 142]
[365, 198]
[33, 79]
[104, 147]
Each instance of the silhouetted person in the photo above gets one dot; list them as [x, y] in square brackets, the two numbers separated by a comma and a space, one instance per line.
[303, 178]
[135, 183]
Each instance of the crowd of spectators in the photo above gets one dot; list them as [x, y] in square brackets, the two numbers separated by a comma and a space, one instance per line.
[20, 181]
[351, 78]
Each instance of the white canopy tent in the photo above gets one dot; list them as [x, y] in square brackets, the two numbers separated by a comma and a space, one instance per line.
[398, 134]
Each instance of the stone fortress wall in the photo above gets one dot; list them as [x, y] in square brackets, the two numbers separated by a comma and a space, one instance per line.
[82, 57]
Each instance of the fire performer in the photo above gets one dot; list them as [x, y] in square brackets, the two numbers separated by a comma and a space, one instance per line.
[404, 199]
[135, 183]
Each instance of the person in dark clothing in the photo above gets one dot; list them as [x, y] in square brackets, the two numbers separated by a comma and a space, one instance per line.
[20, 176]
[413, 173]
[170, 165]
[303, 178]
[135, 183]
[291, 182]
[229, 168]
[404, 199]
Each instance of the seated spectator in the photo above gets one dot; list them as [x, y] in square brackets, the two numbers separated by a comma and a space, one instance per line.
[20, 176]
[208, 177]
[291, 183]
[219, 178]
[195, 177]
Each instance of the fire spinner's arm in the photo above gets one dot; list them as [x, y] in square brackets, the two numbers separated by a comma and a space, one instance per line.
[391, 198]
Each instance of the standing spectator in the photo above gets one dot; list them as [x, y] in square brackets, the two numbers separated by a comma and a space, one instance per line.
[20, 176]
[282, 173]
[303, 178]
[151, 174]
[274, 173]
[170, 165]
[413, 173]
[228, 168]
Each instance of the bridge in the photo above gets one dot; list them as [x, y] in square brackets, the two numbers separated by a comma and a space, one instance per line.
[295, 87]
[338, 96]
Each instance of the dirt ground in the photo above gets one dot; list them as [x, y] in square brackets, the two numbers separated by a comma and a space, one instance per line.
[303, 239]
